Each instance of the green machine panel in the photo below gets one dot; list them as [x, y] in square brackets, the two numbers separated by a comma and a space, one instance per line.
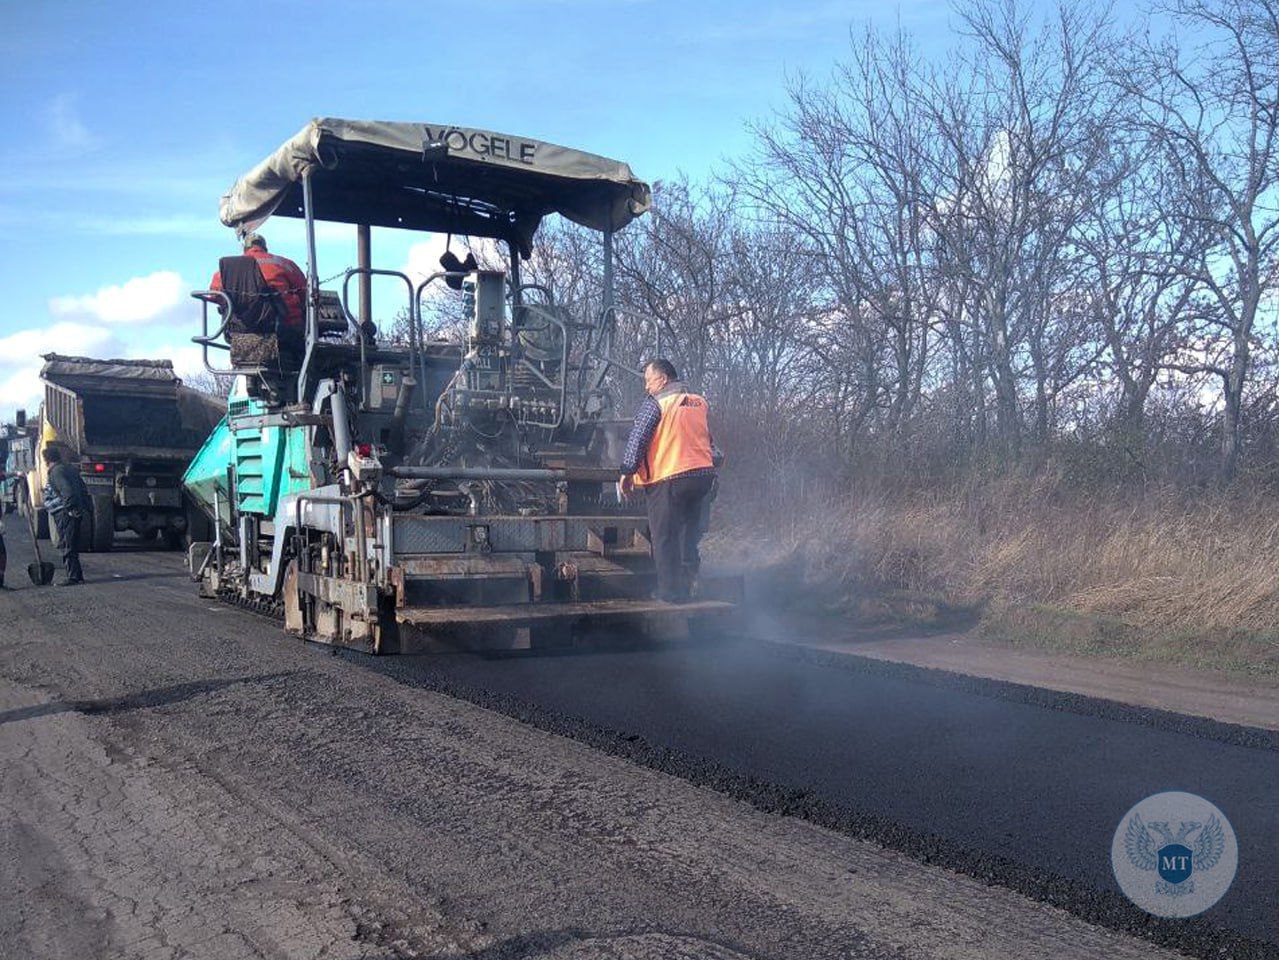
[266, 462]
[209, 473]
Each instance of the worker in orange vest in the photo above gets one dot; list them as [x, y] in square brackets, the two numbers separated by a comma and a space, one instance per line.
[668, 456]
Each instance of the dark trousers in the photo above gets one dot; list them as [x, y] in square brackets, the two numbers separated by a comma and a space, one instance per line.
[68, 522]
[675, 527]
[4, 559]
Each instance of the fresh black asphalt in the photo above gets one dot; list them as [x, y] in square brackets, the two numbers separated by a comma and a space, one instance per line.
[1016, 786]
[1020, 788]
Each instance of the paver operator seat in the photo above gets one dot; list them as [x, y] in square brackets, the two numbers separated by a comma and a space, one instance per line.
[255, 330]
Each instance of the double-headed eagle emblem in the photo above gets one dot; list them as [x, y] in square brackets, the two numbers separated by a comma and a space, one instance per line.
[1174, 855]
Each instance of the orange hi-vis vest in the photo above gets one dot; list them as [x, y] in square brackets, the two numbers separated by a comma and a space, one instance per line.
[681, 442]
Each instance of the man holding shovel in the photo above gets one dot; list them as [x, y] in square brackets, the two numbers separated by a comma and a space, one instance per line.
[40, 573]
[67, 500]
[4, 557]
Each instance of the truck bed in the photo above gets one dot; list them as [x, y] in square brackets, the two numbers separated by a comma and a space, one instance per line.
[136, 422]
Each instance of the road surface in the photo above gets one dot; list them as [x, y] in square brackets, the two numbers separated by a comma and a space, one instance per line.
[181, 779]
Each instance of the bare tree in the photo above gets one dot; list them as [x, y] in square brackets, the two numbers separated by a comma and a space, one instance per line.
[845, 169]
[1215, 111]
[1023, 114]
[1138, 254]
[760, 352]
[212, 384]
[672, 267]
[567, 262]
[1039, 243]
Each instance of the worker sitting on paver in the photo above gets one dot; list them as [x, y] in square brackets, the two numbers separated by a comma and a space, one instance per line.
[669, 456]
[268, 297]
[67, 500]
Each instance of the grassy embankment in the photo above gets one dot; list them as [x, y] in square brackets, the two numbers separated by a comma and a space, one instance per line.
[1163, 575]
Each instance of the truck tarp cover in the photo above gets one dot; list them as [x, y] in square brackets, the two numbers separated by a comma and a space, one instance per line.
[130, 403]
[148, 376]
[434, 177]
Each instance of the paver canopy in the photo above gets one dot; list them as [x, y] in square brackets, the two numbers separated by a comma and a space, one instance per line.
[422, 176]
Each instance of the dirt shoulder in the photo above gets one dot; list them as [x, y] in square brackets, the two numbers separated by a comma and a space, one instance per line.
[1164, 686]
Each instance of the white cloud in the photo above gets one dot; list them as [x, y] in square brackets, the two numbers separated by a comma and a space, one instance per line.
[25, 347]
[423, 258]
[20, 389]
[140, 300]
[188, 358]
[20, 359]
[66, 127]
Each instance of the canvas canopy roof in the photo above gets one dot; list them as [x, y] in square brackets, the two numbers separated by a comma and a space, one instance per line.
[423, 176]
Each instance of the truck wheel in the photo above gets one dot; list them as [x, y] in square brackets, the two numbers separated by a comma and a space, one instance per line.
[103, 536]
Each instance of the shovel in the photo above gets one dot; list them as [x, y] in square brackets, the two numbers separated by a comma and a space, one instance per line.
[40, 572]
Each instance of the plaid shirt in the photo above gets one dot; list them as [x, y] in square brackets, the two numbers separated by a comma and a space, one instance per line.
[647, 417]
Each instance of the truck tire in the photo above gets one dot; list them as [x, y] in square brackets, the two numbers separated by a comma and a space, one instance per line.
[103, 533]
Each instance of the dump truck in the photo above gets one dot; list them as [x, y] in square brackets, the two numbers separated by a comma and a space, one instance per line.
[132, 427]
[390, 492]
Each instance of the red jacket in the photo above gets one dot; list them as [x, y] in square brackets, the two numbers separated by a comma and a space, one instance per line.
[284, 275]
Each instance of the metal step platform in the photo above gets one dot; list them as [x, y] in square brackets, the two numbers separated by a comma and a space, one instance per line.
[524, 613]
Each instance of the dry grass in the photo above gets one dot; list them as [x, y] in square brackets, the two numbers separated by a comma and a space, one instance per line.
[1160, 574]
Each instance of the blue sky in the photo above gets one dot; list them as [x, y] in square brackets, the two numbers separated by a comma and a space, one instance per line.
[123, 124]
